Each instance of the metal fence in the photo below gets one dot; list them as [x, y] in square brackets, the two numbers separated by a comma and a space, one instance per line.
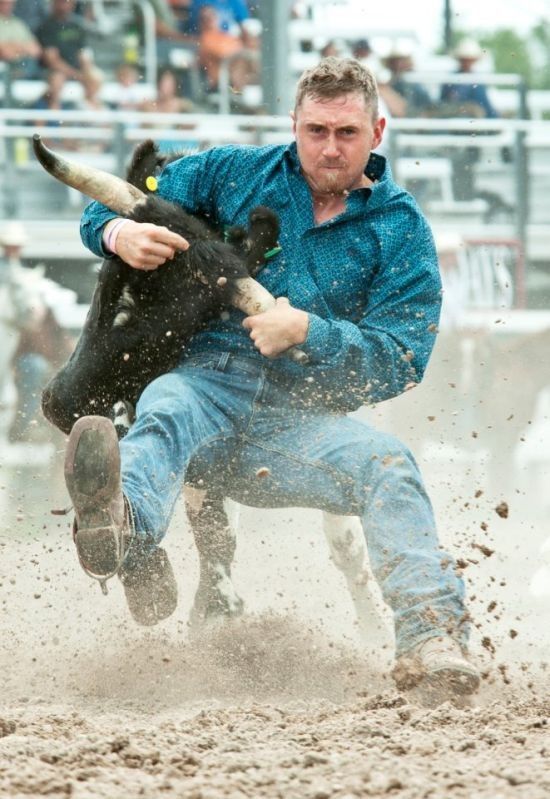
[478, 177]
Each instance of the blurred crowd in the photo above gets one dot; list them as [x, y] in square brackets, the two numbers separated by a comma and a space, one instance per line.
[35, 344]
[58, 40]
[404, 96]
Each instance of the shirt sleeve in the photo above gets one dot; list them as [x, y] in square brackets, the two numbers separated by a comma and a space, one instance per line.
[387, 350]
[192, 181]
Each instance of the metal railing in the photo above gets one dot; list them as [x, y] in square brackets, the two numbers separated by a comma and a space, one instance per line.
[496, 79]
[107, 139]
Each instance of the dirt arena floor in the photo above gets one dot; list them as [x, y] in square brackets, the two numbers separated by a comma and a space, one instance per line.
[290, 701]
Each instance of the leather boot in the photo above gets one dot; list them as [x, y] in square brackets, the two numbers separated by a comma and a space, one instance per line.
[103, 528]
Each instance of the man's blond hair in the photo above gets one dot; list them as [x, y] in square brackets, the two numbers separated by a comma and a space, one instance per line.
[333, 77]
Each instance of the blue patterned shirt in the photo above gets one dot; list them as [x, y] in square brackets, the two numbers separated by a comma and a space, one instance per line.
[368, 278]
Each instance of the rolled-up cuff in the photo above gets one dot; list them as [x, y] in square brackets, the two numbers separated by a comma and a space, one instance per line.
[93, 222]
[317, 339]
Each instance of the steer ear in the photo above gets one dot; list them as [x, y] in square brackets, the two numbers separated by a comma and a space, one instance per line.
[118, 195]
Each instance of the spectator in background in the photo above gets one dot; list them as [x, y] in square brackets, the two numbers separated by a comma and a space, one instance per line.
[362, 52]
[407, 98]
[52, 100]
[181, 9]
[42, 343]
[63, 39]
[468, 99]
[18, 45]
[170, 34]
[330, 49]
[217, 45]
[169, 99]
[231, 14]
[92, 82]
[126, 94]
[32, 12]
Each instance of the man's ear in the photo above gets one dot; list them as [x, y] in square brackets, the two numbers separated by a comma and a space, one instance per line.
[293, 118]
[379, 126]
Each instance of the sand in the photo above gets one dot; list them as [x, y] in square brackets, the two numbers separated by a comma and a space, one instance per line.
[290, 701]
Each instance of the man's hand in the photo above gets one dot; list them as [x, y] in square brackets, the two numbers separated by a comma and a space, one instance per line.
[275, 331]
[146, 246]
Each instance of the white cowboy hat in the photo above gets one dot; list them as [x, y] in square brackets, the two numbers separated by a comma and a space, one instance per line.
[399, 48]
[12, 234]
[468, 48]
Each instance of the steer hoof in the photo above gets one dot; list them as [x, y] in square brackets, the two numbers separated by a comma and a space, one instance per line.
[216, 599]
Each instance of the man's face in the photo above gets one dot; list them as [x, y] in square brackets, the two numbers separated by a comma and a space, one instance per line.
[63, 8]
[6, 8]
[466, 64]
[334, 139]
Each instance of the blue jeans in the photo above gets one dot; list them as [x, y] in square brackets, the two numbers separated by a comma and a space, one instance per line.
[232, 415]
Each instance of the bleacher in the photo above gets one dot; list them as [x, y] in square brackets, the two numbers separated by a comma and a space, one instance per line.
[421, 150]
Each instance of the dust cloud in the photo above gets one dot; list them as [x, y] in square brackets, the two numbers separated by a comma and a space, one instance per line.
[295, 699]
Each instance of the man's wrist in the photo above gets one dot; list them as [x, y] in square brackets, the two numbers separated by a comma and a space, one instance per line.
[111, 231]
[302, 326]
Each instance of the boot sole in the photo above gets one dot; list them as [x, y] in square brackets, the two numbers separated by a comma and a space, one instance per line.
[92, 476]
[462, 683]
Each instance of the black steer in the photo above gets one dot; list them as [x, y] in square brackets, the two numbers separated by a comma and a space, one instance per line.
[139, 320]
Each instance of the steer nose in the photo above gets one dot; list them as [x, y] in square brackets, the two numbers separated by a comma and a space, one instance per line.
[55, 409]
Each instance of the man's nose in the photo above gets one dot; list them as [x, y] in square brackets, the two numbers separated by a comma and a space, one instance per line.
[331, 147]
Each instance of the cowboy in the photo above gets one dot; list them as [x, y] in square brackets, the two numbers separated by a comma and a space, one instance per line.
[359, 292]
[468, 99]
[36, 341]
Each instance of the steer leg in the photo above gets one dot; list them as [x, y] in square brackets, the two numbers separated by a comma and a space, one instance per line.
[216, 542]
[122, 416]
[347, 548]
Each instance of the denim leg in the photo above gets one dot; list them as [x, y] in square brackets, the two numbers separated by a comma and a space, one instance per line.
[344, 466]
[177, 414]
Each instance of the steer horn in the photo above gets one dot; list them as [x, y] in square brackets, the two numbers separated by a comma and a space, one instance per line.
[252, 298]
[118, 195]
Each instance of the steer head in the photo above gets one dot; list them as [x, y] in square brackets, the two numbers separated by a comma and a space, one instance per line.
[127, 200]
[139, 320]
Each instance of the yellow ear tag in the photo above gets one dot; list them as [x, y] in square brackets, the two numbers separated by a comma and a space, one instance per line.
[151, 183]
